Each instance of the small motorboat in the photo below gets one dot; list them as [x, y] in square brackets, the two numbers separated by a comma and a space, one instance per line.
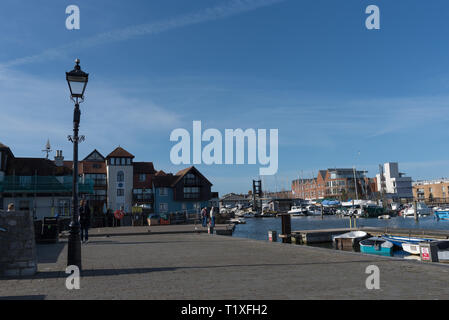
[349, 239]
[442, 214]
[237, 221]
[313, 211]
[385, 216]
[411, 248]
[399, 241]
[297, 211]
[422, 210]
[443, 246]
[376, 245]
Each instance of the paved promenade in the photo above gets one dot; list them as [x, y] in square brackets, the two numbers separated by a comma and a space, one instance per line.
[201, 266]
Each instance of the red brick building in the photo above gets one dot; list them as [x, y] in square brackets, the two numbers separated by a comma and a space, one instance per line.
[335, 183]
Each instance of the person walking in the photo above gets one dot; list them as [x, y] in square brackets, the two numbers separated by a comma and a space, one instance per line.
[84, 211]
[204, 216]
[212, 217]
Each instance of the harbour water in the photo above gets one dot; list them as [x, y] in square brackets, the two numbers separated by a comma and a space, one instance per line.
[257, 228]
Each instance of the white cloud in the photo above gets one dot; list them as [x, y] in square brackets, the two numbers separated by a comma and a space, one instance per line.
[34, 109]
[229, 9]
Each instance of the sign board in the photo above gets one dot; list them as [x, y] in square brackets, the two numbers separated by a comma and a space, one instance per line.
[425, 253]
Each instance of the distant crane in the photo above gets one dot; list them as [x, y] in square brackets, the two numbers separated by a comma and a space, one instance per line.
[47, 149]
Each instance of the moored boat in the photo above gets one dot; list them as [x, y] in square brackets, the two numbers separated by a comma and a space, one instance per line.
[237, 221]
[411, 248]
[399, 241]
[376, 245]
[297, 211]
[349, 239]
[422, 210]
[442, 214]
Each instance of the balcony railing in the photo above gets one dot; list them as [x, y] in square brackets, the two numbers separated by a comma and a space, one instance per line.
[142, 197]
[99, 182]
[195, 195]
[96, 198]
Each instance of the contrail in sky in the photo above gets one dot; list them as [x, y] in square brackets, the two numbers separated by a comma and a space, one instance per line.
[229, 9]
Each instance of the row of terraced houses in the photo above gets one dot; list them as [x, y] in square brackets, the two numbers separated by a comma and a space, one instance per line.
[111, 182]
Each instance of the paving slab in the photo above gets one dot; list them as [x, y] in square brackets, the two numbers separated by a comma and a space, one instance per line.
[202, 266]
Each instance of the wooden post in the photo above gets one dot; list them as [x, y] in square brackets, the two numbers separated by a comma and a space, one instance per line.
[321, 211]
[286, 228]
[415, 209]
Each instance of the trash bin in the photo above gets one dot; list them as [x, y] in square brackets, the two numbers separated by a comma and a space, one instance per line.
[50, 230]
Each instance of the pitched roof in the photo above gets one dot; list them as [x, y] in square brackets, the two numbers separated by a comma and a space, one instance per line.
[180, 174]
[144, 167]
[35, 166]
[94, 156]
[3, 146]
[7, 149]
[160, 173]
[119, 152]
[163, 180]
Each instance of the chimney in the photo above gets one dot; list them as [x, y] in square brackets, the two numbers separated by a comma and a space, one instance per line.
[59, 159]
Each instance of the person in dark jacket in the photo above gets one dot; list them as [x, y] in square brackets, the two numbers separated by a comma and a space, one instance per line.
[84, 211]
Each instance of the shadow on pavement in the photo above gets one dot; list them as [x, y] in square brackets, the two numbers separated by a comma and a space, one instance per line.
[49, 253]
[127, 271]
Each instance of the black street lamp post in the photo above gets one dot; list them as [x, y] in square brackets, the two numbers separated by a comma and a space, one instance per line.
[77, 80]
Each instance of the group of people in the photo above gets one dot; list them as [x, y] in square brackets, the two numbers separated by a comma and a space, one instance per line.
[205, 216]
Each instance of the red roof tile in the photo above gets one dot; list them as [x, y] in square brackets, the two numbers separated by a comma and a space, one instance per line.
[119, 152]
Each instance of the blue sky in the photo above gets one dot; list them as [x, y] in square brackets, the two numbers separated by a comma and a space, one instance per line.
[339, 94]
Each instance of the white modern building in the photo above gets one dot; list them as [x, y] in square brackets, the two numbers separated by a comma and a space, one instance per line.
[393, 183]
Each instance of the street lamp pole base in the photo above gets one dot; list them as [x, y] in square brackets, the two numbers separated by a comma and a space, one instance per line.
[74, 246]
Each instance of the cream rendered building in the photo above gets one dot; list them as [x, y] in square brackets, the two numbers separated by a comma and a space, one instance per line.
[119, 172]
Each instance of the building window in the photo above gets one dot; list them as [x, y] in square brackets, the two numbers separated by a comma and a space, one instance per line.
[163, 207]
[191, 179]
[25, 180]
[142, 177]
[120, 176]
[123, 161]
[163, 191]
[120, 192]
[128, 161]
[143, 194]
[64, 206]
[191, 192]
